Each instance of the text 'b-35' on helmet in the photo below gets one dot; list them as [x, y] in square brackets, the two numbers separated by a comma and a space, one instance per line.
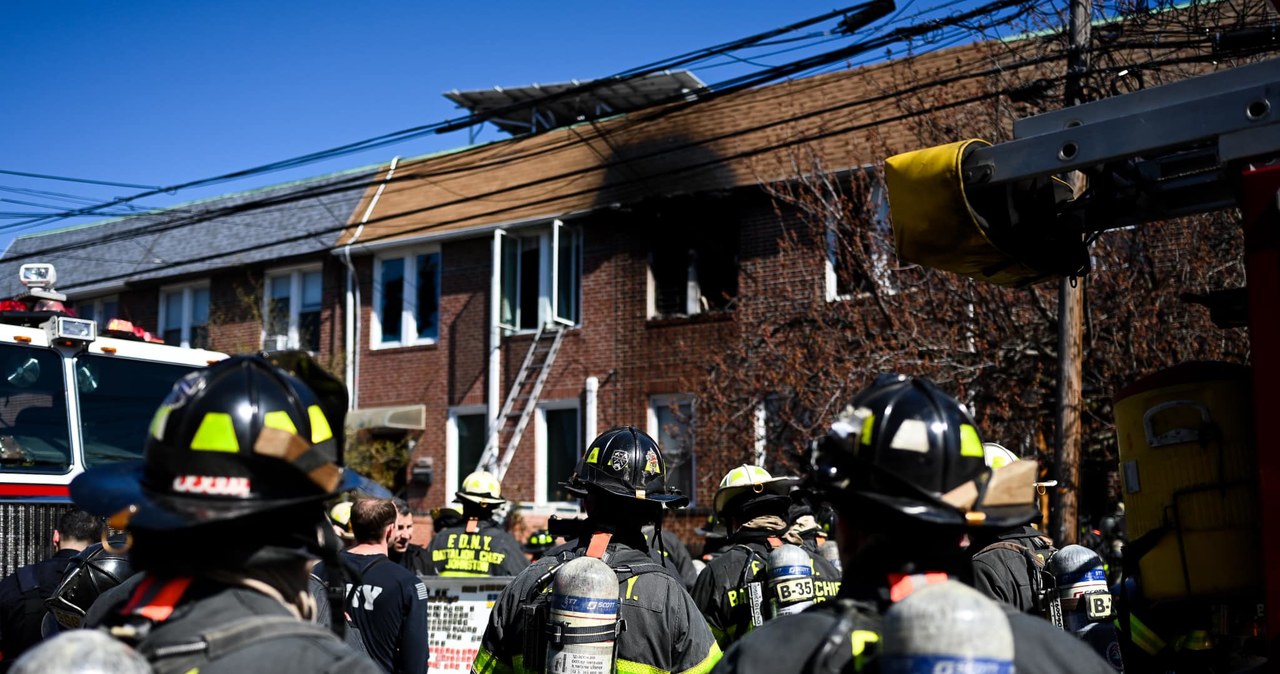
[237, 438]
[626, 462]
[95, 570]
[905, 445]
[481, 488]
[745, 483]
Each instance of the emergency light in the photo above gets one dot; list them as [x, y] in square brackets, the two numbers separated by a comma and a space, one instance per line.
[70, 330]
[39, 275]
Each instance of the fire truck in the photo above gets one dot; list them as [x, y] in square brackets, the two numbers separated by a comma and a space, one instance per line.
[70, 399]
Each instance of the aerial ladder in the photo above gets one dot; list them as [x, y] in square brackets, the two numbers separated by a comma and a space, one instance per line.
[997, 213]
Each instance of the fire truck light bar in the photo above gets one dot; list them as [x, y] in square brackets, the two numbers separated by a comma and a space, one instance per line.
[41, 275]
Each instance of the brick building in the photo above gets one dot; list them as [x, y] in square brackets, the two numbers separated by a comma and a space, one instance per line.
[425, 281]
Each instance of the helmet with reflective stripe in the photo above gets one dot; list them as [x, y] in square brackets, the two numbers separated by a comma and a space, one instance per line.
[626, 462]
[481, 488]
[740, 484]
[237, 438]
[997, 455]
[905, 445]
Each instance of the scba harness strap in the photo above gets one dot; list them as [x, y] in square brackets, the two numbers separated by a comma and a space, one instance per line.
[214, 643]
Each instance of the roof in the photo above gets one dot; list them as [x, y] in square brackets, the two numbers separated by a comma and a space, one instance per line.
[276, 222]
[845, 118]
[539, 107]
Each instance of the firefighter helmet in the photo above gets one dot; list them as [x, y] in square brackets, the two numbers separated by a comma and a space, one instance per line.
[997, 455]
[625, 461]
[94, 571]
[906, 447]
[539, 542]
[743, 483]
[238, 438]
[481, 488]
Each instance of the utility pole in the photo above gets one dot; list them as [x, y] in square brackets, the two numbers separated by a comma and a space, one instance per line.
[1065, 520]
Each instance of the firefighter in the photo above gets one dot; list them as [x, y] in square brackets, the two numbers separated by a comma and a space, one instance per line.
[621, 478]
[754, 507]
[477, 546]
[1009, 565]
[538, 543]
[226, 512]
[903, 466]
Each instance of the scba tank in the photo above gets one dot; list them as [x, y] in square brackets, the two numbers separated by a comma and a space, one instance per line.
[948, 627]
[583, 618]
[790, 580]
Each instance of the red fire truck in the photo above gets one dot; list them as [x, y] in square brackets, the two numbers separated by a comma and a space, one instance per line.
[70, 398]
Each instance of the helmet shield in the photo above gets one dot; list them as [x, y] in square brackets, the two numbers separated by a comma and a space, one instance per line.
[237, 438]
[626, 462]
[906, 445]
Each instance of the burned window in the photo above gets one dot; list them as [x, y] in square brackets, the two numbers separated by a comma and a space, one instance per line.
[859, 244]
[693, 261]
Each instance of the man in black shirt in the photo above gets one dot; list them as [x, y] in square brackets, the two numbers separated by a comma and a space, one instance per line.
[22, 594]
[386, 603]
[401, 551]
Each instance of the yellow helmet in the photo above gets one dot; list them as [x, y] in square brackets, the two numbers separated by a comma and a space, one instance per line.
[481, 488]
[340, 516]
[744, 479]
[997, 455]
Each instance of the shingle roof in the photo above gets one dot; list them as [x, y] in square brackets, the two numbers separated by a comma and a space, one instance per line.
[731, 141]
[275, 222]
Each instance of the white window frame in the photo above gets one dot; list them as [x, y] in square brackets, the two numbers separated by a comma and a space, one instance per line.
[540, 463]
[184, 321]
[409, 308]
[295, 276]
[547, 240]
[99, 306]
[451, 467]
[881, 261]
[666, 401]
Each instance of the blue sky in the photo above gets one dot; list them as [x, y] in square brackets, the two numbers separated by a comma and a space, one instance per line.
[159, 93]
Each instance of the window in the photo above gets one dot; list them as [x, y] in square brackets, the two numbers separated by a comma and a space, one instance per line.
[541, 277]
[693, 265]
[406, 300]
[465, 437]
[780, 429]
[860, 247]
[291, 310]
[99, 309]
[558, 449]
[184, 316]
[671, 424]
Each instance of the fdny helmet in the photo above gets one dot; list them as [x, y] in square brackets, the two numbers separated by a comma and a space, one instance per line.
[238, 438]
[624, 461]
[745, 482]
[481, 488]
[95, 570]
[906, 447]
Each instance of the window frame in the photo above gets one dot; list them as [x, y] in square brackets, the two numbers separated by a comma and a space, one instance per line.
[666, 401]
[409, 310]
[452, 474]
[186, 324]
[548, 241]
[295, 274]
[881, 257]
[99, 307]
[541, 464]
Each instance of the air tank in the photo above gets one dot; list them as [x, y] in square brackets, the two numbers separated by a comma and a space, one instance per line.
[583, 618]
[790, 580]
[947, 627]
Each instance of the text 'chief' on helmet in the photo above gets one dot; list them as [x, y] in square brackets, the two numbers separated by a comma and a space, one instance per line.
[906, 448]
[625, 462]
[237, 438]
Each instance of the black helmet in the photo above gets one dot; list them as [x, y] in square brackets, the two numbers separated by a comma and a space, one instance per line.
[237, 438]
[539, 542]
[905, 445]
[625, 462]
[94, 571]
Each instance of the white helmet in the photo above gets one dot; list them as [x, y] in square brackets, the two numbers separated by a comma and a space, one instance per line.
[481, 488]
[755, 479]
